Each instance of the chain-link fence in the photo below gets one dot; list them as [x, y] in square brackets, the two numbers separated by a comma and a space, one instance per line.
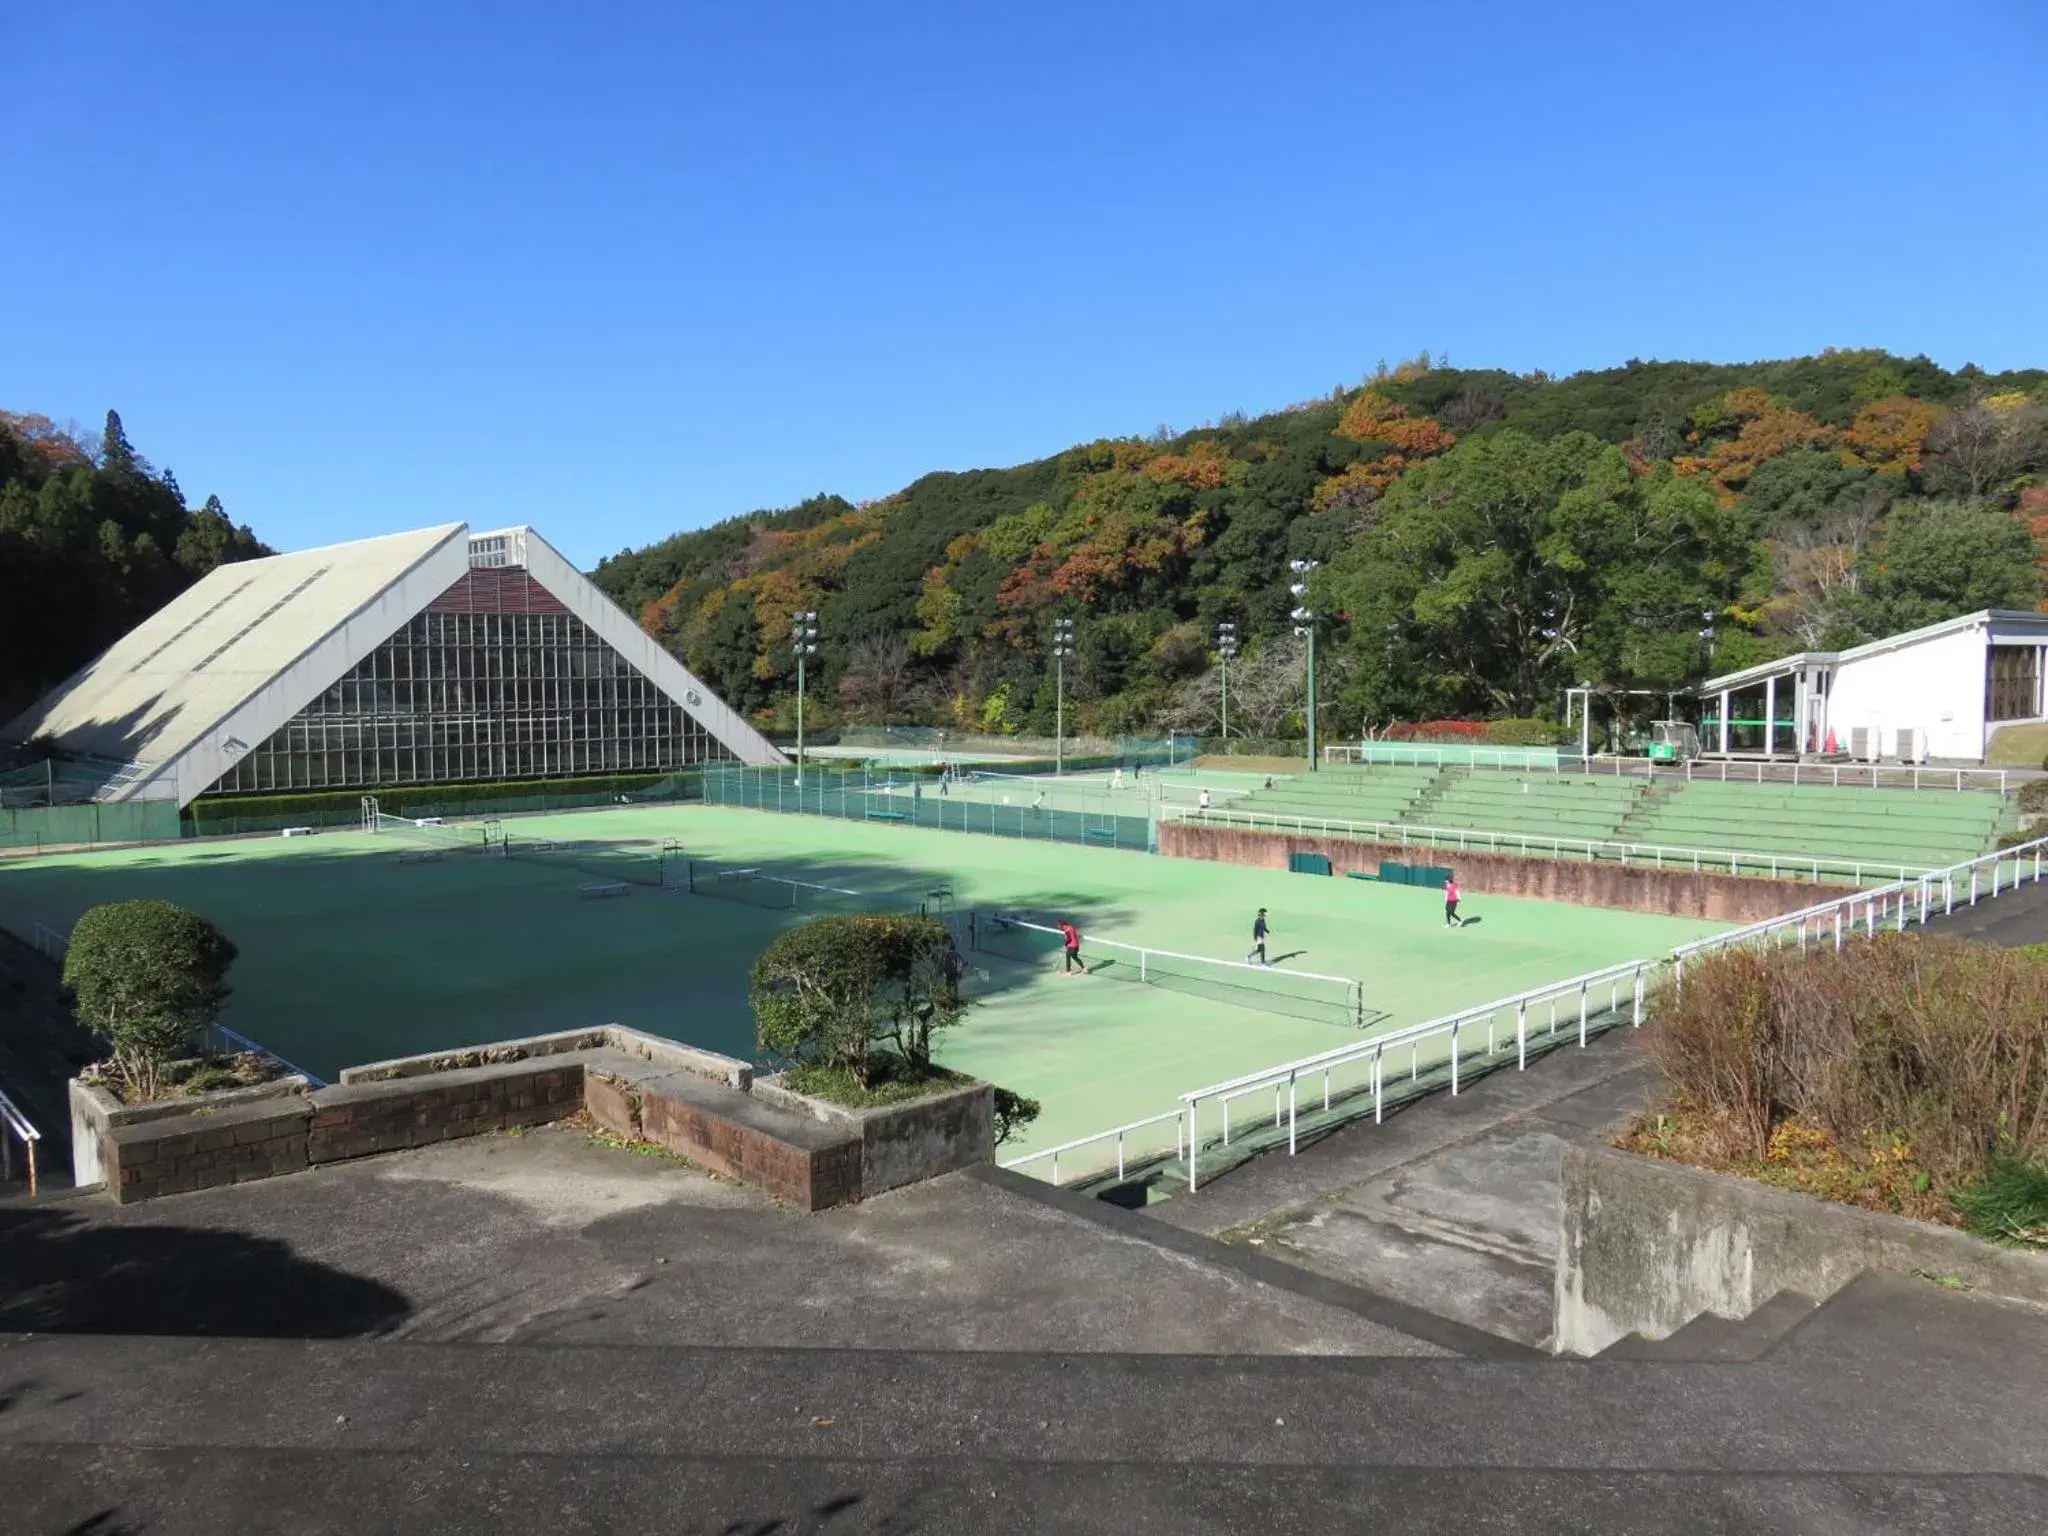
[865, 797]
[85, 826]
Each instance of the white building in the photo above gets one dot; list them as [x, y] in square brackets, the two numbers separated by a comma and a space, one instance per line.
[435, 657]
[1934, 693]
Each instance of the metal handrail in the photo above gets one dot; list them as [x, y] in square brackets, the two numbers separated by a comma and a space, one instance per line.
[1522, 842]
[1117, 1133]
[1286, 1077]
[17, 1127]
[1897, 905]
[218, 1037]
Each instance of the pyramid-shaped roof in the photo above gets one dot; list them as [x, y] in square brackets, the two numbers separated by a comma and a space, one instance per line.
[182, 695]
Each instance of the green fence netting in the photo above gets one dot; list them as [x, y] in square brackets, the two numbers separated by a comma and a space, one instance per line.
[73, 826]
[850, 797]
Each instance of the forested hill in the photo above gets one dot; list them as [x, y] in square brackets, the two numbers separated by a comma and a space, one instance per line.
[92, 541]
[1487, 540]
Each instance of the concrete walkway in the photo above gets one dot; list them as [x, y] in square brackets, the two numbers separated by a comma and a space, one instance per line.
[1451, 1205]
[1899, 1407]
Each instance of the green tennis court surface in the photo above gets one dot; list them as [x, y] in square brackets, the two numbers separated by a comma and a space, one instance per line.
[357, 947]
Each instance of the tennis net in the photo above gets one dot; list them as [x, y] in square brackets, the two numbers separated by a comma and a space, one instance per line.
[1237, 983]
[432, 832]
[756, 886]
[634, 863]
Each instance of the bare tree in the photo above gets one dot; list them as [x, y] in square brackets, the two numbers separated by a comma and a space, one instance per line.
[1819, 573]
[1978, 448]
[879, 685]
[1267, 691]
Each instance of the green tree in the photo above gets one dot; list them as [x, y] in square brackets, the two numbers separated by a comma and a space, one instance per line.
[1936, 559]
[146, 975]
[863, 994]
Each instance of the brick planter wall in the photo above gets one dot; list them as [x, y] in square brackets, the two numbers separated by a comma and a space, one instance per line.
[1601, 883]
[905, 1143]
[634, 1085]
[358, 1119]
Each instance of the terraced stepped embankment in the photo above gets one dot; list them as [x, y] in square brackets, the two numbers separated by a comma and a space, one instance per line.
[1843, 829]
[1914, 828]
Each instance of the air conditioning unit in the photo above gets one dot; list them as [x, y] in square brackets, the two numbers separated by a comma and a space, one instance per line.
[1910, 745]
[1860, 745]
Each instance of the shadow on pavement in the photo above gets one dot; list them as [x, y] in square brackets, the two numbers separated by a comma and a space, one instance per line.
[62, 1274]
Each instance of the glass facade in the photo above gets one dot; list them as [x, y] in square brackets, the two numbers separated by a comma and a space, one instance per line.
[466, 695]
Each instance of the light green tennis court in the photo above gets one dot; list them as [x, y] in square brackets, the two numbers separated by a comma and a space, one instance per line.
[352, 953]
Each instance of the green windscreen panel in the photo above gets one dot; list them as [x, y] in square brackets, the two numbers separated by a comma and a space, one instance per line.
[1393, 873]
[1308, 863]
[1429, 875]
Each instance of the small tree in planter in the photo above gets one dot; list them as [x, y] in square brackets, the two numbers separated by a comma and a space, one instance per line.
[146, 976]
[863, 995]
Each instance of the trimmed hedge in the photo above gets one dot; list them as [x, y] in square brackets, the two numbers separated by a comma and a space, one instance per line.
[410, 799]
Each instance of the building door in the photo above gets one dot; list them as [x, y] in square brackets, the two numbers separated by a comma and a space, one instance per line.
[2012, 683]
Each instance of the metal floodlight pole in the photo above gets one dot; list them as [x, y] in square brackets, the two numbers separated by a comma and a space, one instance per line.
[1305, 626]
[1062, 648]
[803, 637]
[1226, 648]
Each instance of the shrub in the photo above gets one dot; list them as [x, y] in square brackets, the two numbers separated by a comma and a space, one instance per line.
[146, 975]
[1523, 733]
[844, 992]
[2010, 1203]
[1937, 1044]
[1012, 1113]
[2033, 796]
[1457, 732]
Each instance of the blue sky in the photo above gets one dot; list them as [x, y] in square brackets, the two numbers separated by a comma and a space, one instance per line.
[358, 269]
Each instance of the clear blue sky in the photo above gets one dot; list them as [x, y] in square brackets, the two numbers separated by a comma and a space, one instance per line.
[621, 269]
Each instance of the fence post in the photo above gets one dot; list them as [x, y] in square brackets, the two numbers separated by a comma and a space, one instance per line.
[1638, 1021]
[1194, 1114]
[1522, 1034]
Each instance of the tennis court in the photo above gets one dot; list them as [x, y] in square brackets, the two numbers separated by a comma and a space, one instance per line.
[356, 947]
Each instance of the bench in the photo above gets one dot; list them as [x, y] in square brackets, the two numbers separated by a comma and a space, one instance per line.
[296, 832]
[1100, 835]
[428, 821]
[421, 856]
[601, 888]
[887, 816]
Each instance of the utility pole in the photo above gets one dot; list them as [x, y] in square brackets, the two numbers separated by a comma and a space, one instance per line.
[1062, 648]
[803, 639]
[1226, 648]
[1305, 626]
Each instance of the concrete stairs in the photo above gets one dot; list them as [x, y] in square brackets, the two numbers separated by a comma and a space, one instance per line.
[1634, 825]
[1723, 1340]
[1895, 1407]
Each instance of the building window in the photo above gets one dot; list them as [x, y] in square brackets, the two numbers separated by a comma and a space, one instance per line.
[2012, 686]
[479, 696]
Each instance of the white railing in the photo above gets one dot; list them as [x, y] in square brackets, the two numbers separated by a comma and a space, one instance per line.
[1654, 855]
[50, 942]
[1625, 985]
[219, 1040]
[1694, 771]
[1897, 906]
[1118, 1135]
[15, 1126]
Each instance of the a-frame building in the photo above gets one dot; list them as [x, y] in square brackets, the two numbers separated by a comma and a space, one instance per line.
[435, 657]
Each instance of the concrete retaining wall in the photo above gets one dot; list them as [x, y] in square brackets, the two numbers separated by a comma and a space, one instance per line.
[1602, 883]
[1649, 1245]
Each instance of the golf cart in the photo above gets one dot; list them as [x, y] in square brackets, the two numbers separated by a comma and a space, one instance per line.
[1673, 741]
